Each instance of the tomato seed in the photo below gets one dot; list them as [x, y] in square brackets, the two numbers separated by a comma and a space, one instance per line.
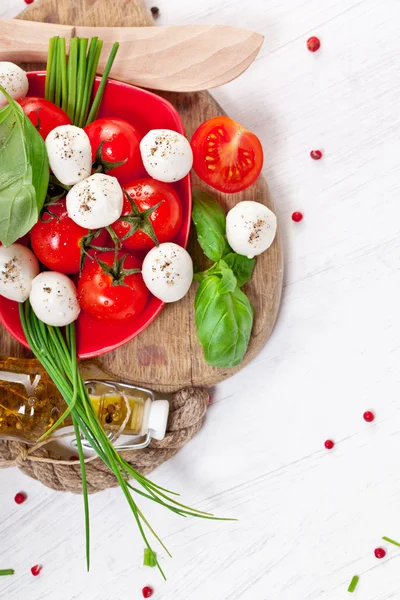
[329, 444]
[20, 498]
[313, 44]
[36, 570]
[316, 154]
[380, 552]
[369, 416]
[147, 592]
[297, 217]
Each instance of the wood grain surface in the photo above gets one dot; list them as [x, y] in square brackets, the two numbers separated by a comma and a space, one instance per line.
[167, 355]
[182, 58]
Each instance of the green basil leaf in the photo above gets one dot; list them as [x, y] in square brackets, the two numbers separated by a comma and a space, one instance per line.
[223, 322]
[210, 222]
[24, 173]
[241, 266]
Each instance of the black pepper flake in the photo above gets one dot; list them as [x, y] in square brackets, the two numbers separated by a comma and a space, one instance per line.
[155, 11]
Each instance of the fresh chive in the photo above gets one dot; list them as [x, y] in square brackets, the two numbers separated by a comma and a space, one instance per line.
[100, 92]
[58, 83]
[53, 72]
[149, 559]
[91, 67]
[4, 572]
[81, 77]
[72, 76]
[353, 584]
[50, 60]
[391, 541]
[63, 73]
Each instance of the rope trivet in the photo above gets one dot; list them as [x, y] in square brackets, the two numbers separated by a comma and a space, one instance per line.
[188, 408]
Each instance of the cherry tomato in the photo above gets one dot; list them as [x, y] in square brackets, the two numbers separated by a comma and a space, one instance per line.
[226, 155]
[121, 141]
[163, 222]
[47, 114]
[58, 241]
[108, 289]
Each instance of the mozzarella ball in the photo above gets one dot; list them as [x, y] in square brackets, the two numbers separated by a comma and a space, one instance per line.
[95, 202]
[18, 268]
[166, 155]
[70, 154]
[53, 299]
[14, 81]
[250, 228]
[167, 271]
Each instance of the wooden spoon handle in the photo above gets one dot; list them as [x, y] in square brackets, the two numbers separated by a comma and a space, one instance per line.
[182, 58]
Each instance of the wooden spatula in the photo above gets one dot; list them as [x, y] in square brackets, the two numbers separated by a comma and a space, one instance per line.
[184, 58]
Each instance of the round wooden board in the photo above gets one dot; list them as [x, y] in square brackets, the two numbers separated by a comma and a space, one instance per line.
[167, 355]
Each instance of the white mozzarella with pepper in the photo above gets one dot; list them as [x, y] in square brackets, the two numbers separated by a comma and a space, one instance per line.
[18, 268]
[167, 271]
[70, 154]
[54, 299]
[250, 228]
[167, 155]
[95, 202]
[14, 80]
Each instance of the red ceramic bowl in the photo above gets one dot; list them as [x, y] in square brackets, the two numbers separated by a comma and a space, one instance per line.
[144, 111]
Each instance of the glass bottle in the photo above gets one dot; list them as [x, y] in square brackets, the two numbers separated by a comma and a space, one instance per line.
[30, 404]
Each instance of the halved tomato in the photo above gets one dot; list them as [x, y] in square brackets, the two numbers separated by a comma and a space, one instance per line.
[226, 155]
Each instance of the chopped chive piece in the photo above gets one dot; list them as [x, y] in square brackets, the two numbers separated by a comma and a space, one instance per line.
[100, 92]
[6, 572]
[391, 541]
[149, 559]
[353, 584]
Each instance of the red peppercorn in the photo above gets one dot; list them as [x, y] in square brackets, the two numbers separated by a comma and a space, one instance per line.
[380, 552]
[316, 154]
[20, 498]
[29, 1]
[329, 444]
[147, 592]
[313, 44]
[297, 217]
[36, 570]
[74, 457]
[369, 416]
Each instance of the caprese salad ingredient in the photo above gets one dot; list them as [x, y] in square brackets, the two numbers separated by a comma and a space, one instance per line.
[18, 268]
[44, 115]
[70, 155]
[152, 214]
[24, 172]
[59, 243]
[96, 201]
[168, 272]
[250, 228]
[226, 155]
[210, 222]
[54, 299]
[167, 155]
[115, 141]
[223, 313]
[111, 287]
[14, 81]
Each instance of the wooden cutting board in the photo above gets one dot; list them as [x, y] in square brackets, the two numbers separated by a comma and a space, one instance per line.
[167, 355]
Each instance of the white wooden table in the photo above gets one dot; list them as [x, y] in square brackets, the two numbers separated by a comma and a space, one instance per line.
[309, 518]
